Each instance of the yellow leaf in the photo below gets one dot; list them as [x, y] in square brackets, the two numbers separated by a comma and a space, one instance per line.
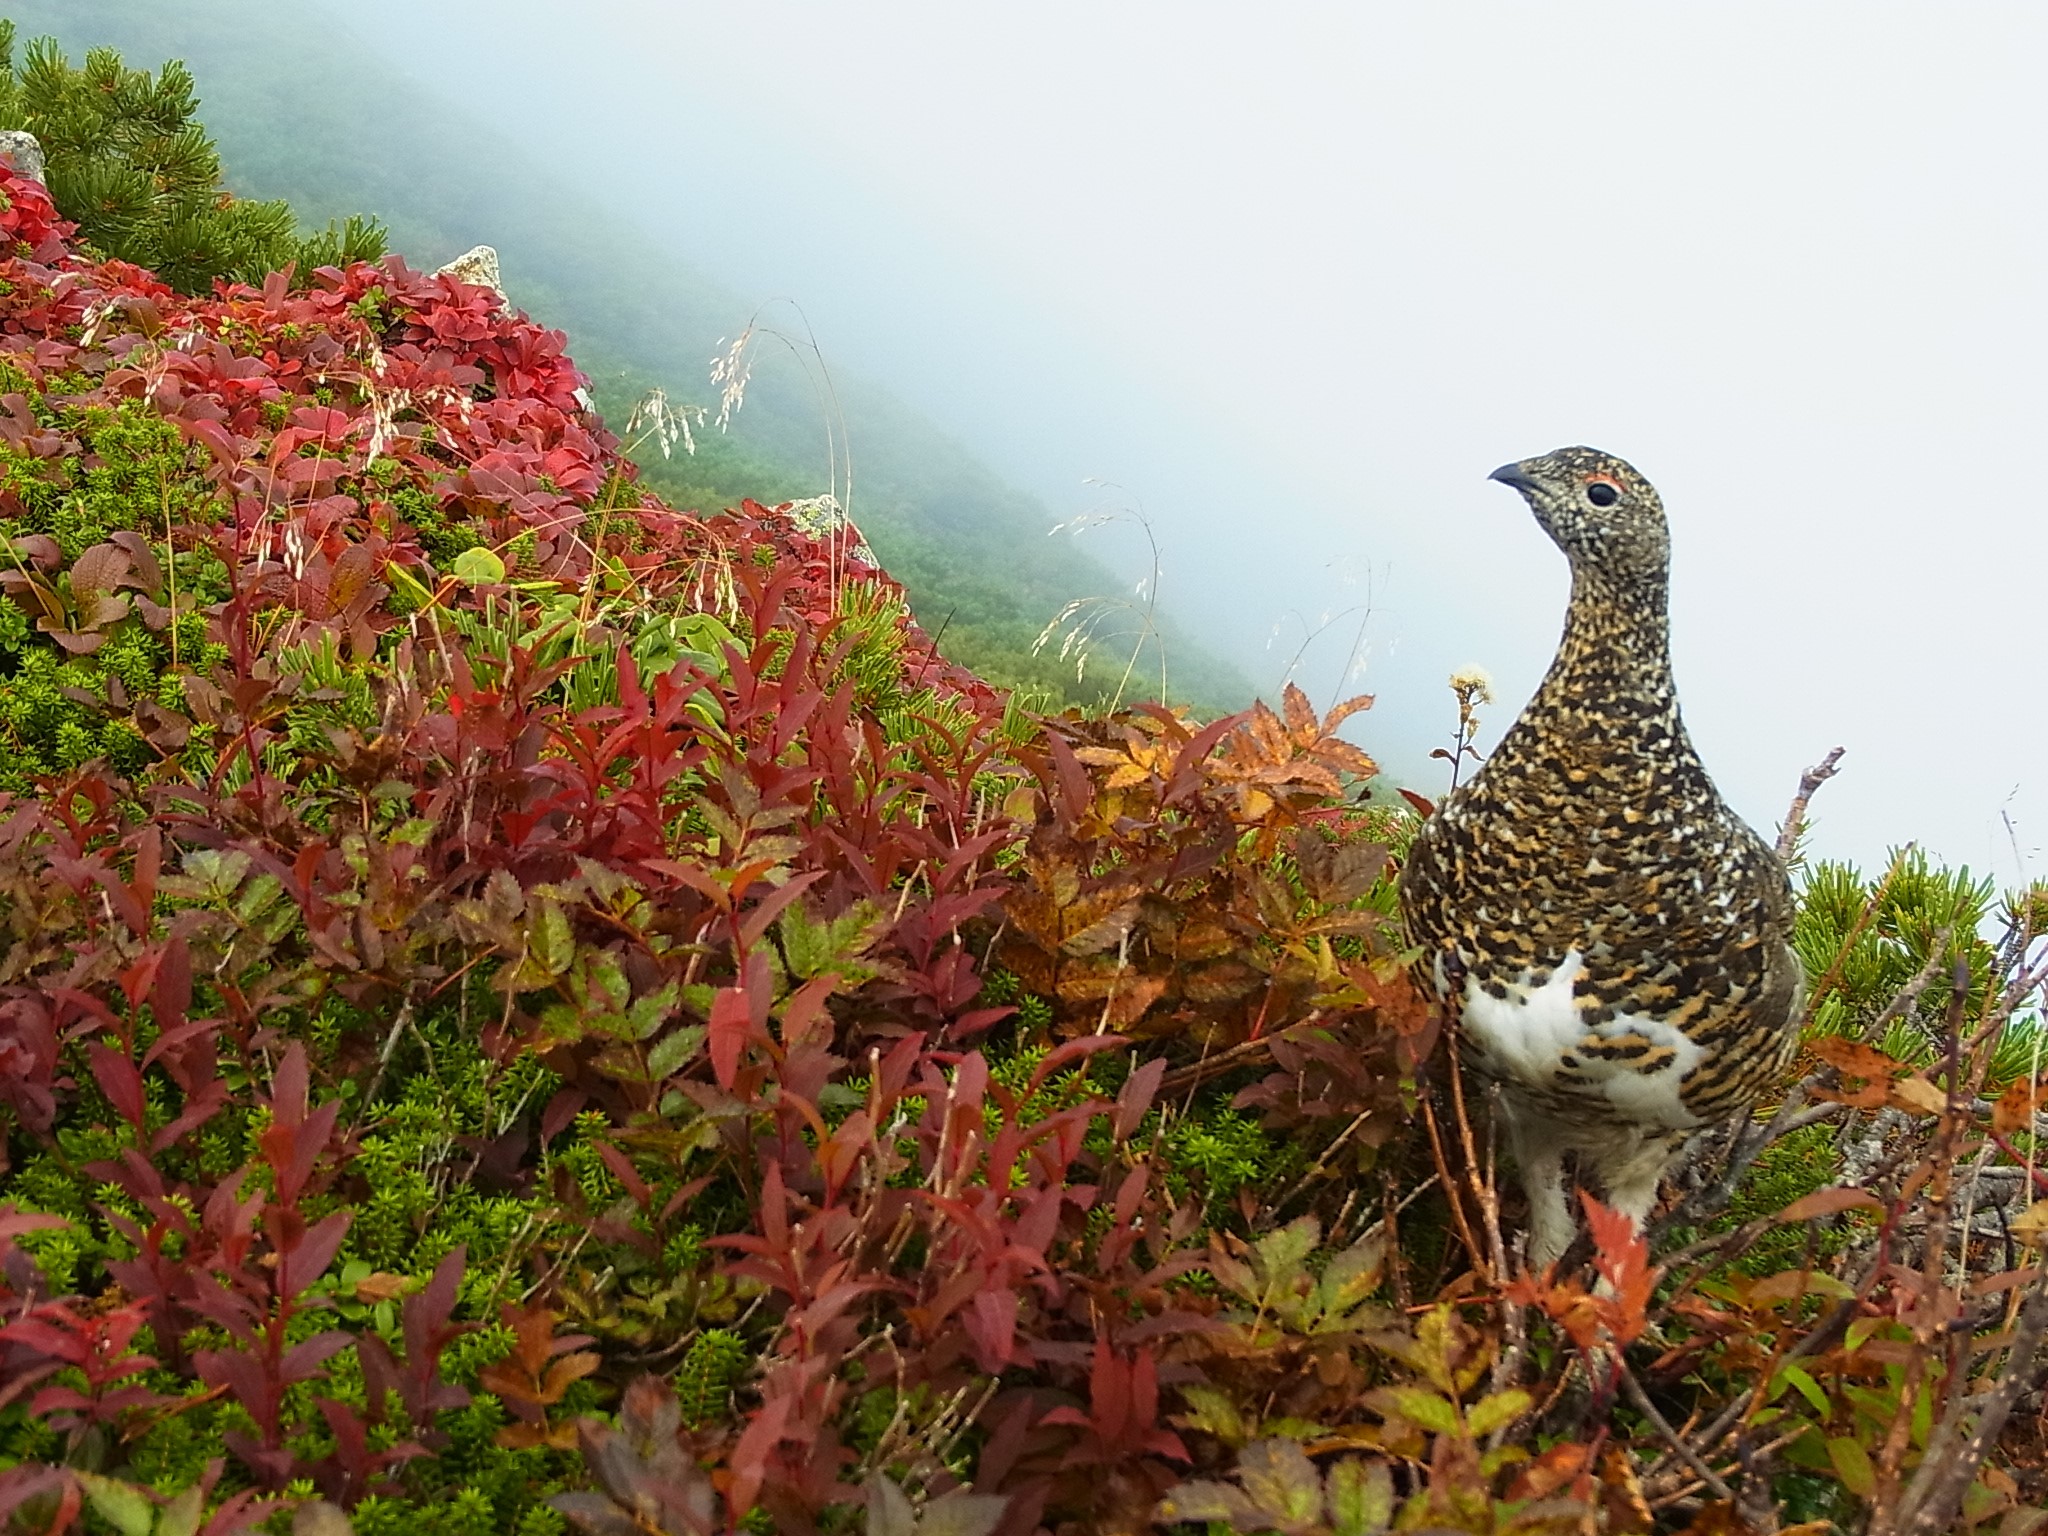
[1915, 1092]
[1021, 803]
[2031, 1225]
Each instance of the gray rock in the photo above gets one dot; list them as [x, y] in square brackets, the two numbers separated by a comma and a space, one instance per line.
[823, 518]
[23, 150]
[479, 265]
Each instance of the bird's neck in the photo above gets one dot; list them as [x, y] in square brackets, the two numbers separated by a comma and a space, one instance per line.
[1616, 649]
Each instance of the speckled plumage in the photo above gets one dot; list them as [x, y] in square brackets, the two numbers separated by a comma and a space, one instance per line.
[1615, 938]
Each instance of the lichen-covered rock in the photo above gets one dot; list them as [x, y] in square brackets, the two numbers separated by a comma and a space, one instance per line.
[825, 520]
[24, 151]
[479, 265]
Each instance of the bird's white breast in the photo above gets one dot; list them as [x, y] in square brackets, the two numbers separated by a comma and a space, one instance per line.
[1525, 1038]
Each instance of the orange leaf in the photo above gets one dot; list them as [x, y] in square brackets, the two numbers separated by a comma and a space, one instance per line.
[1132, 997]
[1301, 715]
[1622, 1495]
[1854, 1060]
[380, 1287]
[1829, 1202]
[1556, 1468]
[1345, 711]
[1347, 757]
[567, 1371]
[2014, 1111]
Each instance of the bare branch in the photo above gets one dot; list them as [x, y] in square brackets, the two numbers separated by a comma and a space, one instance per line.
[1672, 1438]
[1795, 818]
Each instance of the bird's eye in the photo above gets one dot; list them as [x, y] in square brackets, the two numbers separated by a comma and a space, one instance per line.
[1601, 494]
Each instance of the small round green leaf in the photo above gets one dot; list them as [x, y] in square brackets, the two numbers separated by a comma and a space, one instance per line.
[477, 568]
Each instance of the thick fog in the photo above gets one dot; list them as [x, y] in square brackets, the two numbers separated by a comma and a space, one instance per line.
[1295, 278]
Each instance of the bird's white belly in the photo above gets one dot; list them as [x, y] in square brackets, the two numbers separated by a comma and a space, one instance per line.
[1536, 1038]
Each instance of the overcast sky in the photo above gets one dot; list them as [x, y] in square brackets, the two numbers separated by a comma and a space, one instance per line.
[1297, 277]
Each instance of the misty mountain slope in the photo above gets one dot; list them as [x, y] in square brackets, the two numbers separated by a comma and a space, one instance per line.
[331, 128]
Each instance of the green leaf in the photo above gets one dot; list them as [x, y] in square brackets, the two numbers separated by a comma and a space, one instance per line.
[1207, 1501]
[1361, 1497]
[1501, 1456]
[1213, 1413]
[813, 948]
[122, 1505]
[220, 871]
[1348, 1279]
[1431, 1351]
[1852, 1466]
[1497, 1411]
[1808, 1388]
[181, 1516]
[668, 1058]
[549, 942]
[1282, 1483]
[707, 633]
[647, 1014]
[477, 568]
[1281, 1255]
[1425, 1410]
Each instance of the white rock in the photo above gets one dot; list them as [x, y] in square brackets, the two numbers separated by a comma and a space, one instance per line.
[23, 150]
[479, 265]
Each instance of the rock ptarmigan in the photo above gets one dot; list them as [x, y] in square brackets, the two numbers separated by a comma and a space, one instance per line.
[1613, 941]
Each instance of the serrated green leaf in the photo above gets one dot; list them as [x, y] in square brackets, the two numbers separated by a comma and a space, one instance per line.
[550, 943]
[1287, 1427]
[257, 897]
[1212, 1411]
[1348, 1279]
[1206, 1501]
[1497, 1411]
[219, 870]
[1361, 1497]
[649, 1013]
[1431, 1353]
[1426, 1410]
[122, 1505]
[605, 975]
[812, 948]
[670, 1055]
[414, 831]
[1282, 1484]
[1280, 1256]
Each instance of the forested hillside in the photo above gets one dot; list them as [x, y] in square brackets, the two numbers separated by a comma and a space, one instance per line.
[972, 551]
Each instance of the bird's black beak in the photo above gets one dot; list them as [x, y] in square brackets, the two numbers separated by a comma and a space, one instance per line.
[1515, 475]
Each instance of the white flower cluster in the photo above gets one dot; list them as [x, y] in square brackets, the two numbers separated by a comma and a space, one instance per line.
[1476, 681]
